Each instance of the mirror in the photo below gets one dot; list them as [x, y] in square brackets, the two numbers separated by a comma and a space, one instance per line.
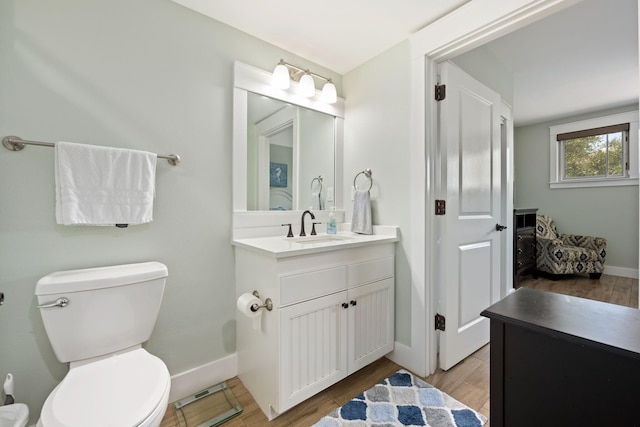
[287, 148]
[290, 156]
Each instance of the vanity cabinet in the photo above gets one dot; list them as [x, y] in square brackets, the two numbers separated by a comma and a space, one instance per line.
[333, 314]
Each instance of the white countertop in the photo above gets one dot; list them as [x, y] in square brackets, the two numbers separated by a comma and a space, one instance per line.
[281, 246]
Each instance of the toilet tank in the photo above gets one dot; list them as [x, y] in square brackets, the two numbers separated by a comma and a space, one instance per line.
[109, 308]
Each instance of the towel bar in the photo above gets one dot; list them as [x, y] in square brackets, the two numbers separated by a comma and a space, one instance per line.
[367, 173]
[319, 179]
[15, 143]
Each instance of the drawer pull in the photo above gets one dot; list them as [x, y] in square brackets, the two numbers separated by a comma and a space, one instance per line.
[345, 305]
[354, 302]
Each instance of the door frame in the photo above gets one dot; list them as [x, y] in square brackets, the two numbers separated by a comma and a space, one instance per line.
[473, 24]
[265, 129]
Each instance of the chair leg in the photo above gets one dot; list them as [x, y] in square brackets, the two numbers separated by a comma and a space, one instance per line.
[595, 276]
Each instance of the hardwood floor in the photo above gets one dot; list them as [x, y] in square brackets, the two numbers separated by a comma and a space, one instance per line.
[611, 289]
[467, 382]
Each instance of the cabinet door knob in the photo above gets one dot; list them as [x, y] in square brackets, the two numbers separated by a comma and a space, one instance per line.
[345, 305]
[353, 302]
[500, 227]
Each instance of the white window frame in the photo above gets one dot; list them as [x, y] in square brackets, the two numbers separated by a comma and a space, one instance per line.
[556, 158]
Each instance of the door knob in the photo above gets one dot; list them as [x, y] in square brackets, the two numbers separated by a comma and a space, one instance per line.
[500, 227]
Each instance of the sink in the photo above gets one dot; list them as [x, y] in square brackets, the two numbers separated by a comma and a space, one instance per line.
[318, 239]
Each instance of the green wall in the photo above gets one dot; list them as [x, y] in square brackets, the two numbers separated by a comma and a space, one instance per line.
[609, 212]
[146, 74]
[377, 137]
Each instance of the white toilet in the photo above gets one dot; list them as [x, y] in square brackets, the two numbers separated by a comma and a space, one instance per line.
[14, 415]
[97, 319]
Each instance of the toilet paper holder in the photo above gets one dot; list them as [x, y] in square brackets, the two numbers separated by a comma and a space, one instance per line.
[268, 304]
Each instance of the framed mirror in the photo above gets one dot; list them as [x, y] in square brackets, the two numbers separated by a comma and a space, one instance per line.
[287, 149]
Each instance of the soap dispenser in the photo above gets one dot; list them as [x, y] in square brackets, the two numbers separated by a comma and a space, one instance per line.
[331, 223]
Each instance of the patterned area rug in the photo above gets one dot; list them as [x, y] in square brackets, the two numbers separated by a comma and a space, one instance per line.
[403, 400]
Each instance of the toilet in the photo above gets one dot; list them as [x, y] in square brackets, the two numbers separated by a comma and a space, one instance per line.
[96, 320]
[14, 415]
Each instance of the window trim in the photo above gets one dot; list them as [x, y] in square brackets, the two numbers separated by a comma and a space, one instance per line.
[555, 155]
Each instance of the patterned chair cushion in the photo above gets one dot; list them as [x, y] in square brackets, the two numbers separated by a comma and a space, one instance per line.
[545, 227]
[567, 253]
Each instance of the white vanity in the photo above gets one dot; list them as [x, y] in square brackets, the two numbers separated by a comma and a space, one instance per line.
[332, 295]
[333, 312]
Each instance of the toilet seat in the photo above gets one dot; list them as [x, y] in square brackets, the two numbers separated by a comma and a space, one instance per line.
[129, 389]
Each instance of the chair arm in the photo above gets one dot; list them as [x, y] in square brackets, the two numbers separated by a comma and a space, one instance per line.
[548, 245]
[589, 242]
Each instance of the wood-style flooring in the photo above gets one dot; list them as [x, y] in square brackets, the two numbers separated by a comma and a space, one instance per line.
[467, 382]
[611, 289]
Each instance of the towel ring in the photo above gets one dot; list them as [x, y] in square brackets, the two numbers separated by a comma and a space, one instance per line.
[319, 179]
[367, 173]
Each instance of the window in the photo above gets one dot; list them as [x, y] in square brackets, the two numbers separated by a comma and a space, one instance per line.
[595, 152]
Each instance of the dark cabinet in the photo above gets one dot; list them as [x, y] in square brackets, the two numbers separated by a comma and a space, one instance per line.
[524, 243]
[558, 360]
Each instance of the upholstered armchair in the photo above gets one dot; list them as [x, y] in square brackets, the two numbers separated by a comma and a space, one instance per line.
[567, 253]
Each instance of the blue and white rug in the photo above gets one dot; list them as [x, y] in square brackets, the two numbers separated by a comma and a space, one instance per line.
[403, 400]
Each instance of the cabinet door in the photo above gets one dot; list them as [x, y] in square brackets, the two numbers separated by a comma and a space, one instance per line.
[371, 323]
[312, 347]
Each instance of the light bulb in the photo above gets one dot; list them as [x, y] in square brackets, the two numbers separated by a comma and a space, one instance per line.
[329, 94]
[280, 77]
[307, 86]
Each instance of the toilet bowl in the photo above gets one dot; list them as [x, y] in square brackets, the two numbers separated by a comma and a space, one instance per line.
[130, 389]
[15, 415]
[97, 319]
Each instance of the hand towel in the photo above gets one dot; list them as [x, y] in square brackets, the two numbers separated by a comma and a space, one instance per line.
[103, 185]
[316, 201]
[361, 217]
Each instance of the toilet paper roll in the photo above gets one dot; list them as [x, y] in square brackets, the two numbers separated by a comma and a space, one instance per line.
[244, 303]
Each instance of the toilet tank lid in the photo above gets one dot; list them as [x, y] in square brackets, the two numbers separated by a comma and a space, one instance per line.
[99, 277]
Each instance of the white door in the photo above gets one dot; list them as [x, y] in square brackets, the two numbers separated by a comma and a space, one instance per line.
[469, 253]
[280, 128]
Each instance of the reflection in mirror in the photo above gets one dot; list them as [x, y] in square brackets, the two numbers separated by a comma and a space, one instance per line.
[290, 156]
[264, 114]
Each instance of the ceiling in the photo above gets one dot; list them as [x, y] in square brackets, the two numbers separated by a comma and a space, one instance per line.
[579, 60]
[339, 35]
[582, 59]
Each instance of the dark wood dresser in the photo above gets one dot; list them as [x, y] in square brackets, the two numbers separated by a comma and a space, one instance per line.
[524, 244]
[558, 360]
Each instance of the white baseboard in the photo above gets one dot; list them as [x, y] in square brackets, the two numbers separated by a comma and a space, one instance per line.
[401, 355]
[631, 273]
[202, 377]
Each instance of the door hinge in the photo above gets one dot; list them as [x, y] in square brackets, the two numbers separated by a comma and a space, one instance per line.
[441, 92]
[440, 322]
[441, 207]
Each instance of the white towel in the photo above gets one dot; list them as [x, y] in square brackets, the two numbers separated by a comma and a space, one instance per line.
[103, 185]
[316, 201]
[361, 217]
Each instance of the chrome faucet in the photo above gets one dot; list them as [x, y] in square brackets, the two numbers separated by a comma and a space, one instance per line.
[302, 233]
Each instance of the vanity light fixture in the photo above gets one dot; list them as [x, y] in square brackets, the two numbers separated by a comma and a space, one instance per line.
[280, 77]
[285, 72]
[307, 86]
